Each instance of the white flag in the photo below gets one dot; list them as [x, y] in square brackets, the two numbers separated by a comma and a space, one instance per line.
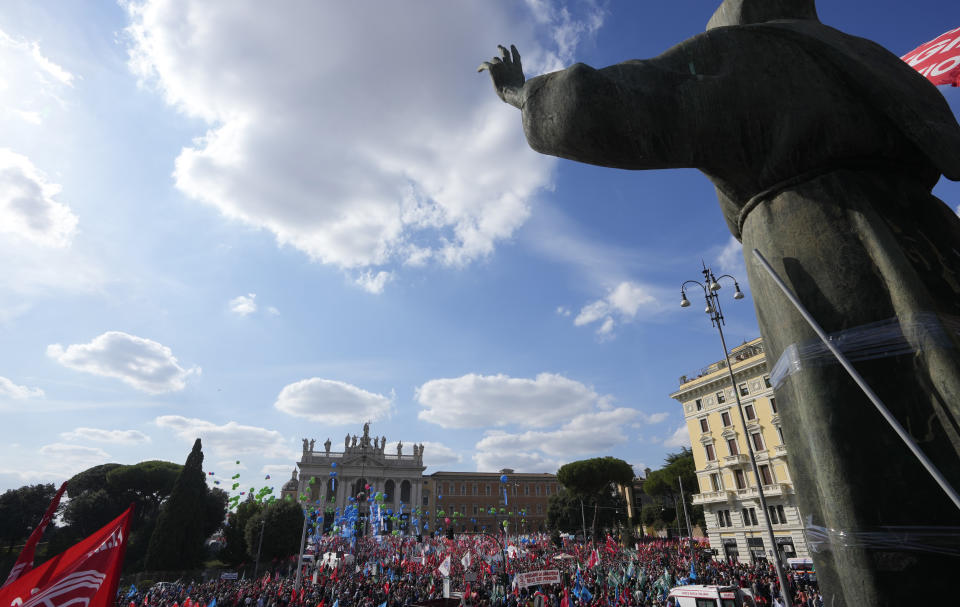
[465, 561]
[444, 567]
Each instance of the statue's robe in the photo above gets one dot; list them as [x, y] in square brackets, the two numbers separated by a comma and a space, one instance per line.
[823, 148]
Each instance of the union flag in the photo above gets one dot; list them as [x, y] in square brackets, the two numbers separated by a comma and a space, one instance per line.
[85, 574]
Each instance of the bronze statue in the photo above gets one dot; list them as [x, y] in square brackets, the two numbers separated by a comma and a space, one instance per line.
[823, 148]
[326, 446]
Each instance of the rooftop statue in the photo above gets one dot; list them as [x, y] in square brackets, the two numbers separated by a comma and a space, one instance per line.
[823, 149]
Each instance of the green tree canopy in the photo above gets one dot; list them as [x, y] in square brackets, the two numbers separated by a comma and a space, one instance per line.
[593, 480]
[21, 509]
[236, 550]
[281, 533]
[665, 482]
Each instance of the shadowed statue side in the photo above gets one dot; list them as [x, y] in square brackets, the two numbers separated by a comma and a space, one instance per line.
[823, 149]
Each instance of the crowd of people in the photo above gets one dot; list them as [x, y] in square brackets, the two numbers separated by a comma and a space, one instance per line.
[395, 571]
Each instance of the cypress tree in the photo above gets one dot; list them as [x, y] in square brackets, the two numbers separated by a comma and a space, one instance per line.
[177, 542]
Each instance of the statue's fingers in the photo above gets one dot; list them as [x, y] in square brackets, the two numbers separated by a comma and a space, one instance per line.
[504, 53]
[486, 65]
[516, 55]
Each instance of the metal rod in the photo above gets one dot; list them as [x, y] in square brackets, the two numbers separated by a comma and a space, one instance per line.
[303, 536]
[256, 565]
[901, 432]
[686, 516]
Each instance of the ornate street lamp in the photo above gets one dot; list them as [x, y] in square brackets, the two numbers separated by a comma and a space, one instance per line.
[710, 286]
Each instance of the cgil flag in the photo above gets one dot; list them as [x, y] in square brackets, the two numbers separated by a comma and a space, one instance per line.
[465, 561]
[25, 560]
[939, 59]
[86, 573]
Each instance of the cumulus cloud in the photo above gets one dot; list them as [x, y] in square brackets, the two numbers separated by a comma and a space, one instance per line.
[474, 401]
[141, 363]
[519, 461]
[278, 472]
[344, 154]
[622, 303]
[75, 453]
[27, 206]
[373, 282]
[654, 418]
[680, 438]
[587, 433]
[125, 437]
[243, 305]
[230, 438]
[332, 402]
[11, 390]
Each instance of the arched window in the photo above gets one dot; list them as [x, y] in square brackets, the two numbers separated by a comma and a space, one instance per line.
[405, 492]
[331, 489]
[389, 492]
[359, 486]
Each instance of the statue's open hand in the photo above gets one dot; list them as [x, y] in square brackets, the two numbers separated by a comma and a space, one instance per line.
[506, 71]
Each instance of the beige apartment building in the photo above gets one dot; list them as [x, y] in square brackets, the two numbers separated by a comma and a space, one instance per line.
[728, 491]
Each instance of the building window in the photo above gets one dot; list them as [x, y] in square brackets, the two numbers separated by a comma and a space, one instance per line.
[488, 490]
[699, 403]
[780, 434]
[513, 490]
[753, 516]
[743, 390]
[715, 482]
[725, 417]
[782, 514]
[775, 515]
[463, 488]
[476, 510]
[732, 446]
[546, 488]
[720, 518]
[765, 475]
[741, 479]
[773, 405]
[757, 441]
[746, 517]
[449, 489]
[711, 455]
[766, 381]
[721, 398]
[526, 488]
[538, 490]
[749, 412]
[539, 508]
[726, 518]
[475, 489]
[703, 425]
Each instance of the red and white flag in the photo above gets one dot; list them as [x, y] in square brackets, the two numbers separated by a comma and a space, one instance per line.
[444, 568]
[594, 559]
[25, 560]
[87, 573]
[939, 59]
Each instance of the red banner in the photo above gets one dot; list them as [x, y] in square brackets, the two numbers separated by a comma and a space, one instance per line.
[939, 59]
[25, 560]
[87, 573]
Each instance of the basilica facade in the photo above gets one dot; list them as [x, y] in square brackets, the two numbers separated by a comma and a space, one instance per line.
[332, 477]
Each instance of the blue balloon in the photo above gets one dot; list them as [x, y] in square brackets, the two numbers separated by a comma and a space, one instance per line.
[333, 464]
[503, 478]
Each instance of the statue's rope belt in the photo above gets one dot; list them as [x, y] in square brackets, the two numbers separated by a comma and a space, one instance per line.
[885, 338]
[939, 540]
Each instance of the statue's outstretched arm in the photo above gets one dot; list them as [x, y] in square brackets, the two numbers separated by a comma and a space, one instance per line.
[506, 71]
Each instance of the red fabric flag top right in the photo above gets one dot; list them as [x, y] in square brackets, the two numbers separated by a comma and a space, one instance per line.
[939, 59]
[87, 573]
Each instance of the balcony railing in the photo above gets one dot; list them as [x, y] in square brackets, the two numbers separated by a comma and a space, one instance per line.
[709, 497]
[768, 490]
[740, 458]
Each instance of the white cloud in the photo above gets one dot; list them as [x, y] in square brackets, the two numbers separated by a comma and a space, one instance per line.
[12, 390]
[332, 402]
[434, 454]
[518, 461]
[373, 282]
[230, 438]
[75, 453]
[27, 206]
[730, 259]
[654, 418]
[126, 437]
[30, 80]
[474, 401]
[680, 438]
[623, 302]
[343, 154]
[141, 363]
[563, 311]
[243, 305]
[587, 433]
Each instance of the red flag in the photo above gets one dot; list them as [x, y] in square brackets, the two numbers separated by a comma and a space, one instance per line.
[86, 573]
[293, 595]
[25, 560]
[565, 602]
[939, 59]
[594, 559]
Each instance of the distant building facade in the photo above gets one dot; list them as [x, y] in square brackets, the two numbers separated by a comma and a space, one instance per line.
[735, 521]
[363, 461]
[473, 494]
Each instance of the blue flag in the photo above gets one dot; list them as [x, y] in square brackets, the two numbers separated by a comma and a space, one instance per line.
[213, 602]
[693, 572]
[336, 603]
[133, 591]
[383, 604]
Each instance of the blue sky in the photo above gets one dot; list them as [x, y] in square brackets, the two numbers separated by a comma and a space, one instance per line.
[255, 225]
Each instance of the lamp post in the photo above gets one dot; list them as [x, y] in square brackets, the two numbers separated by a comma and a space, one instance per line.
[710, 286]
[256, 563]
